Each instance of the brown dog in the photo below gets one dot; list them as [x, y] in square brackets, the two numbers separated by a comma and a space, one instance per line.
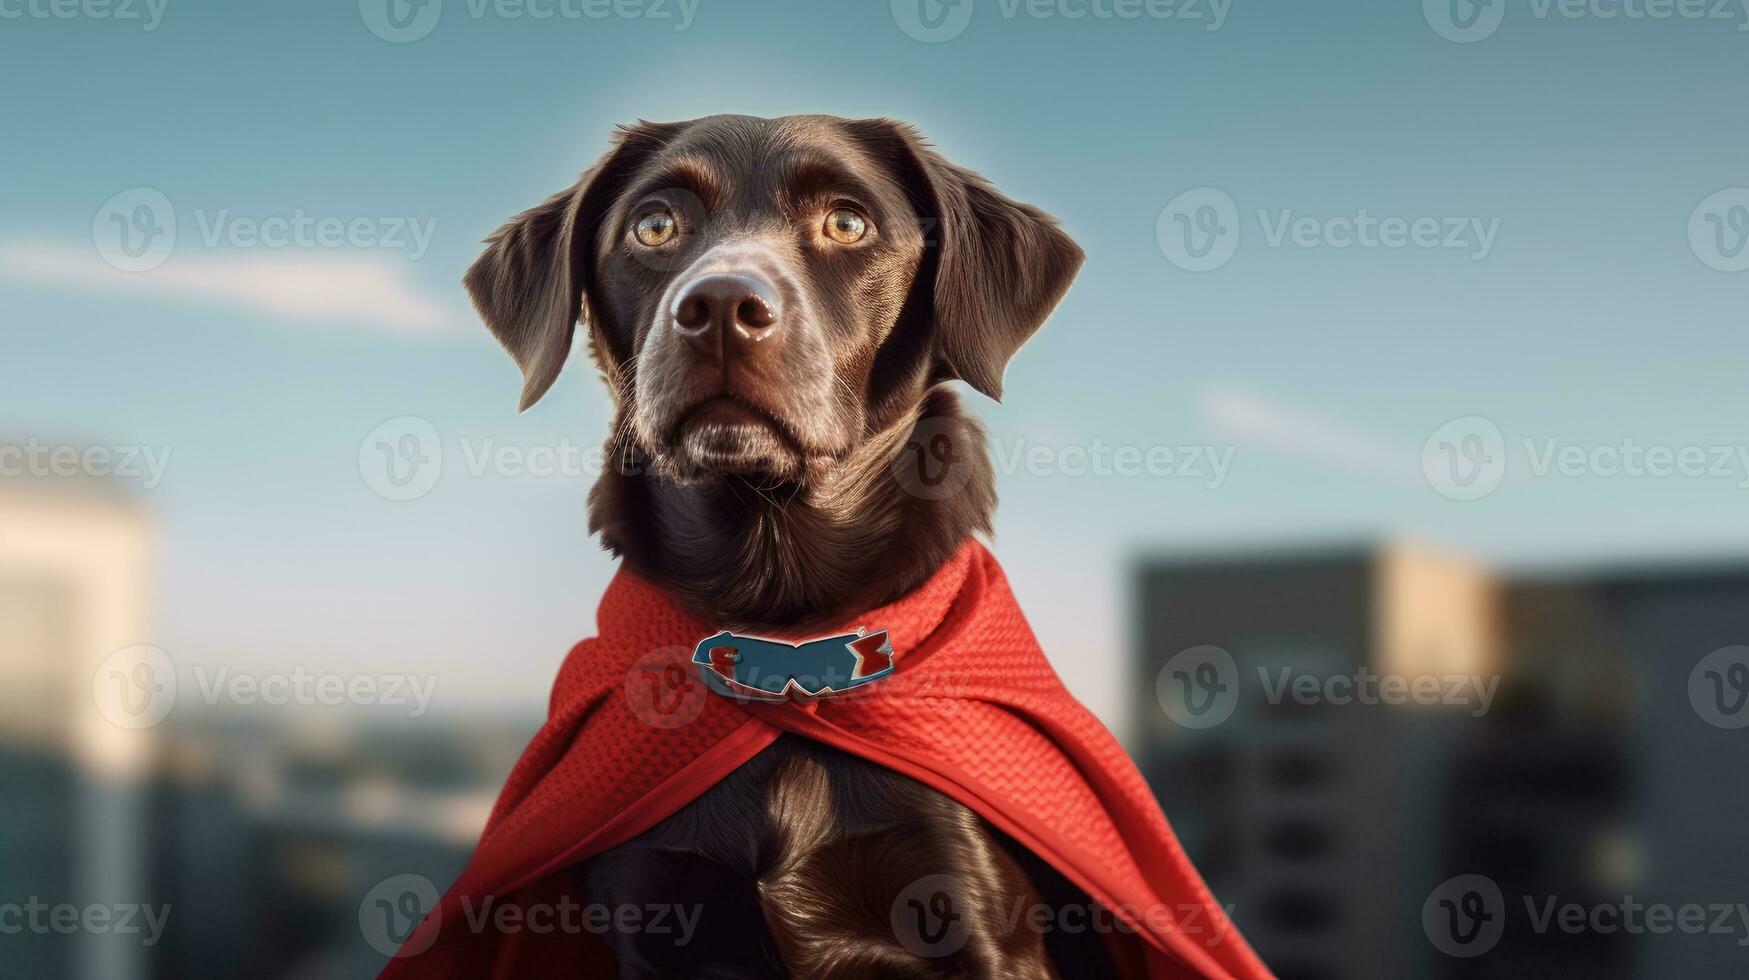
[775, 304]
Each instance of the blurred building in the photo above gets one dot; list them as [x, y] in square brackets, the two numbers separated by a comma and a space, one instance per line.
[73, 575]
[1611, 659]
[257, 834]
[1327, 825]
[267, 837]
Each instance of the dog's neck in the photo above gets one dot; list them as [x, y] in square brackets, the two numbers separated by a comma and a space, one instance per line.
[743, 555]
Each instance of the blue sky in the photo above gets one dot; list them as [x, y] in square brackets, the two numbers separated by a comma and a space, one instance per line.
[1586, 143]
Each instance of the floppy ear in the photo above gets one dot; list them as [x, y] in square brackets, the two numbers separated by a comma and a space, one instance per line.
[999, 266]
[530, 283]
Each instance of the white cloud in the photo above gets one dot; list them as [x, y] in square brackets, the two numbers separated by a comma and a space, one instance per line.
[367, 290]
[1242, 415]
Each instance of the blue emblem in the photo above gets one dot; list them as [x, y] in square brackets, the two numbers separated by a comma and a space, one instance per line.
[775, 670]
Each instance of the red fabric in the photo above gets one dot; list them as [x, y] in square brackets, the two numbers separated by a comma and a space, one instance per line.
[973, 709]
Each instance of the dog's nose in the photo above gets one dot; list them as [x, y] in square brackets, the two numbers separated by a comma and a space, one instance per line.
[727, 309]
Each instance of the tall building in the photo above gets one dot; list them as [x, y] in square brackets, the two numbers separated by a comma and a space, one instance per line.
[258, 834]
[1649, 664]
[73, 574]
[1327, 797]
[269, 834]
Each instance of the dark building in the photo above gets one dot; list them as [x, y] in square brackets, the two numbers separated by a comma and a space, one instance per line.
[1653, 660]
[1599, 774]
[269, 839]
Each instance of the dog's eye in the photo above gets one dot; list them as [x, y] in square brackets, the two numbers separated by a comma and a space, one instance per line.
[845, 226]
[654, 228]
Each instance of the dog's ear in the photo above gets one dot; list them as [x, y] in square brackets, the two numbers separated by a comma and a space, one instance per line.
[996, 267]
[530, 284]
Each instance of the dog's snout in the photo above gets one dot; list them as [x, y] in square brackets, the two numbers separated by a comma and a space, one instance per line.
[727, 307]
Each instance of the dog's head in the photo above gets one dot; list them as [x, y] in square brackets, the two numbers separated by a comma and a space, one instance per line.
[765, 294]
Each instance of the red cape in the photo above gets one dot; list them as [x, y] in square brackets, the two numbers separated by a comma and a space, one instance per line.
[972, 709]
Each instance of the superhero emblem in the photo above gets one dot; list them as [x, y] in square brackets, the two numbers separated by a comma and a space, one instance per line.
[775, 670]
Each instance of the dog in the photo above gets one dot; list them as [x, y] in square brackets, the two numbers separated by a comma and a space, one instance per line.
[778, 306]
